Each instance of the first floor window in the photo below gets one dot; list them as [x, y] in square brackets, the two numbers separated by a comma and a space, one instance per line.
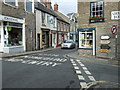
[29, 6]
[85, 39]
[12, 2]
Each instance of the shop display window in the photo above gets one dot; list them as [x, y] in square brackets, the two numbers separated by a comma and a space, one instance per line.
[86, 39]
[14, 36]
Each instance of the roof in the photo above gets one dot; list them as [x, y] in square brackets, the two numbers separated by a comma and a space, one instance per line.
[42, 8]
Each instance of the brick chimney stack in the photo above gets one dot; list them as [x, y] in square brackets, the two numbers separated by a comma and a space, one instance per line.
[47, 3]
[56, 7]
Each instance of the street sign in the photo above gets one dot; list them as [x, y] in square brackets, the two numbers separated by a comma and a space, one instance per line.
[104, 50]
[105, 41]
[105, 46]
[114, 29]
[105, 37]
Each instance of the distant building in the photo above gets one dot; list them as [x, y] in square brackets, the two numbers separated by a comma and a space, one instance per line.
[63, 26]
[99, 28]
[73, 23]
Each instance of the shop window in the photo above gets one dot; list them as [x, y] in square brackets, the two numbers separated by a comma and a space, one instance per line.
[96, 12]
[14, 36]
[29, 6]
[12, 2]
[86, 39]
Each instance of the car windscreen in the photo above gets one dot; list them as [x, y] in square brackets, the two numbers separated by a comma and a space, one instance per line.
[68, 41]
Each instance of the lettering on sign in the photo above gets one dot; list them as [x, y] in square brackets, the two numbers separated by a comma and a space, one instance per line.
[105, 42]
[115, 15]
[105, 37]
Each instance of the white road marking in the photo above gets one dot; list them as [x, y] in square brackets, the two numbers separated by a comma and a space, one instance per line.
[74, 64]
[78, 72]
[87, 72]
[83, 84]
[78, 60]
[80, 77]
[84, 68]
[82, 65]
[75, 67]
[91, 78]
[55, 64]
[47, 63]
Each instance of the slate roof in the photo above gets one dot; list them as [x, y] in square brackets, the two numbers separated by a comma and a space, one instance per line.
[42, 8]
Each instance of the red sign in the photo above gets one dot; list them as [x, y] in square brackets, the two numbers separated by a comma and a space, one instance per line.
[114, 29]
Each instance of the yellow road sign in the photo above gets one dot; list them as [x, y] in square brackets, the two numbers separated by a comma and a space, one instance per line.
[104, 50]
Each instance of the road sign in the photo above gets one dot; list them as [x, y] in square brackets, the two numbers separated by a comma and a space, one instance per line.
[104, 50]
[105, 37]
[114, 29]
[105, 41]
[105, 46]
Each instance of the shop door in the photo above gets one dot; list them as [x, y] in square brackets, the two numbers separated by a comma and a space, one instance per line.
[38, 41]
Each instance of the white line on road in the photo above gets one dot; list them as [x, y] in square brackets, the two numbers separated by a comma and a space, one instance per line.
[75, 67]
[80, 77]
[83, 84]
[84, 68]
[74, 64]
[78, 72]
[91, 78]
[87, 72]
[82, 65]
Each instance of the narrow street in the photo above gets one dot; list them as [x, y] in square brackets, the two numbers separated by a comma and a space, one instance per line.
[52, 70]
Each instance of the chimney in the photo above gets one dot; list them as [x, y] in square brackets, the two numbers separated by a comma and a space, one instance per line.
[48, 5]
[56, 7]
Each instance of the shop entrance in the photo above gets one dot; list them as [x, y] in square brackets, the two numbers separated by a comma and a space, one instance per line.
[45, 39]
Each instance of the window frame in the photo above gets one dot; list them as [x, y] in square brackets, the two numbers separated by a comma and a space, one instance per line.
[91, 11]
[32, 6]
[15, 6]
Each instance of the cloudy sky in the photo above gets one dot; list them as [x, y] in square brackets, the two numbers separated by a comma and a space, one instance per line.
[66, 6]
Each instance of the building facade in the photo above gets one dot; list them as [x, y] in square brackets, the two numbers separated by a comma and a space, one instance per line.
[17, 32]
[98, 28]
[63, 26]
[46, 27]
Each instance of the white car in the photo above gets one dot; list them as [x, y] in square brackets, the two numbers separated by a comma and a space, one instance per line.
[68, 44]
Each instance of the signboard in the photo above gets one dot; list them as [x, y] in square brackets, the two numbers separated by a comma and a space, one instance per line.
[115, 15]
[114, 29]
[104, 50]
[105, 41]
[11, 19]
[105, 46]
[105, 37]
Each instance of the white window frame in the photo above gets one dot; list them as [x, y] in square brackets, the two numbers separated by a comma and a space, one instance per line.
[16, 4]
[32, 6]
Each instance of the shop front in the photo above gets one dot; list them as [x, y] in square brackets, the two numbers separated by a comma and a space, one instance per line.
[61, 36]
[54, 39]
[45, 38]
[12, 34]
[72, 35]
[86, 39]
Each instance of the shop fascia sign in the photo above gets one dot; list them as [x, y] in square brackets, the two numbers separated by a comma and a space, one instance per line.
[11, 19]
[115, 15]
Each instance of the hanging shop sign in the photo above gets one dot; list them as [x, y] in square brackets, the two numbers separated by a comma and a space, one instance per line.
[105, 37]
[105, 41]
[115, 15]
[114, 29]
[9, 28]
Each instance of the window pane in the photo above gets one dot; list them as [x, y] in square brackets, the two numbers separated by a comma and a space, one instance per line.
[11, 2]
[28, 6]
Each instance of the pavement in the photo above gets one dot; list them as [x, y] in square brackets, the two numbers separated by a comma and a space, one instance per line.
[8, 55]
[93, 59]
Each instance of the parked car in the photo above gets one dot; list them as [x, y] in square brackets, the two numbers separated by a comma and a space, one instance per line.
[68, 44]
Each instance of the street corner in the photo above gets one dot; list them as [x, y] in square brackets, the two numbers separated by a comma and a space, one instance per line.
[101, 84]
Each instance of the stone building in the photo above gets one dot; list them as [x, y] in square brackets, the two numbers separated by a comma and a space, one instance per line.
[17, 26]
[63, 26]
[98, 28]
